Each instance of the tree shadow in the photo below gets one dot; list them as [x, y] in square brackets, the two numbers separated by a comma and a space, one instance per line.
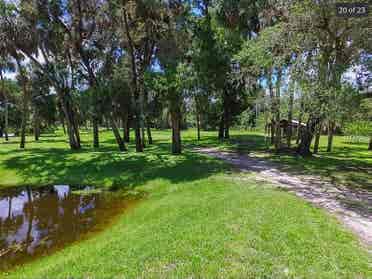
[347, 165]
[106, 166]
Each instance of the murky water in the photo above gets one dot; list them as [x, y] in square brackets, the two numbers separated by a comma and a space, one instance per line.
[38, 221]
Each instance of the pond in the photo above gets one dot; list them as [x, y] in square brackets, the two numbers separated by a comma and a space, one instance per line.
[37, 221]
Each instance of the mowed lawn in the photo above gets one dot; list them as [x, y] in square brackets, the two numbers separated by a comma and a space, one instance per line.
[199, 218]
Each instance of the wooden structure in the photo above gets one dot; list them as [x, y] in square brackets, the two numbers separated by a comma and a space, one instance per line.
[284, 128]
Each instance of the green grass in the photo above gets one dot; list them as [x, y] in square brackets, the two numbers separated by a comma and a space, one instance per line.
[199, 219]
[50, 160]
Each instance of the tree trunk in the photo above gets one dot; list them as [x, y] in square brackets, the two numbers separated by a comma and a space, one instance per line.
[317, 138]
[140, 98]
[95, 132]
[61, 118]
[6, 120]
[63, 127]
[307, 135]
[272, 131]
[36, 125]
[107, 123]
[116, 132]
[143, 137]
[299, 128]
[137, 83]
[24, 105]
[272, 107]
[267, 130]
[149, 136]
[94, 84]
[69, 116]
[198, 124]
[331, 128]
[227, 131]
[278, 136]
[290, 117]
[221, 128]
[139, 118]
[176, 132]
[6, 112]
[126, 126]
[370, 143]
[142, 115]
[75, 124]
[226, 115]
[137, 130]
[24, 123]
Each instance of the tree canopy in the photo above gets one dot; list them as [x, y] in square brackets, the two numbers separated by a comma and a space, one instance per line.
[173, 64]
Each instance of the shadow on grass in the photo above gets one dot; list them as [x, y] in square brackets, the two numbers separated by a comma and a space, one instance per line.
[107, 167]
[348, 165]
[32, 141]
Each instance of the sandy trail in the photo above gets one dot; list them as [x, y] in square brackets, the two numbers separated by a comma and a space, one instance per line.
[352, 207]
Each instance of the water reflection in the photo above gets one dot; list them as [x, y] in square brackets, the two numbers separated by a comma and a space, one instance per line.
[34, 222]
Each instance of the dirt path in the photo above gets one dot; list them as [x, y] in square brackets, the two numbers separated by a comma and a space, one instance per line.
[352, 207]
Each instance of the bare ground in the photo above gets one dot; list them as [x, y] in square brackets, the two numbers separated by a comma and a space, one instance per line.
[353, 207]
